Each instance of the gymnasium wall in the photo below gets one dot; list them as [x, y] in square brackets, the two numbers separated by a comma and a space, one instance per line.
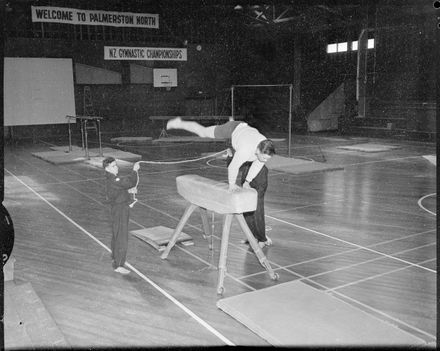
[400, 71]
[127, 106]
[403, 91]
[269, 59]
[401, 68]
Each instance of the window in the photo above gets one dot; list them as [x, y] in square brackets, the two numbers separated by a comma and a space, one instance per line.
[331, 48]
[342, 47]
[370, 45]
[337, 47]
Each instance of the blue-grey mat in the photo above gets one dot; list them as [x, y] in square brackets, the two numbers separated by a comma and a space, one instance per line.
[190, 138]
[369, 147]
[431, 158]
[298, 166]
[62, 155]
[132, 140]
[296, 314]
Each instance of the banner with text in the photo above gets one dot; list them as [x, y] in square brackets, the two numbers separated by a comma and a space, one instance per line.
[94, 18]
[144, 53]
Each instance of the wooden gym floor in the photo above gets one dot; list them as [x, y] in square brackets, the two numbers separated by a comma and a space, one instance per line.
[366, 234]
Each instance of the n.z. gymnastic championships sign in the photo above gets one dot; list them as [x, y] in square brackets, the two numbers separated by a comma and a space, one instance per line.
[144, 53]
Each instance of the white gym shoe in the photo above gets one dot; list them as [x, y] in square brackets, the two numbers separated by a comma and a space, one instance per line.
[174, 123]
[122, 270]
[268, 241]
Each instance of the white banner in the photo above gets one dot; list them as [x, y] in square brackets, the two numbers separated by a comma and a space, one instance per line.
[94, 17]
[144, 53]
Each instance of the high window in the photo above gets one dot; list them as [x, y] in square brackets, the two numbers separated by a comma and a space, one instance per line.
[347, 46]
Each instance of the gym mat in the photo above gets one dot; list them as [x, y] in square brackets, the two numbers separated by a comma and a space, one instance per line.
[369, 147]
[159, 236]
[65, 148]
[298, 166]
[27, 322]
[118, 154]
[8, 269]
[97, 162]
[180, 139]
[132, 140]
[93, 152]
[62, 155]
[431, 158]
[296, 314]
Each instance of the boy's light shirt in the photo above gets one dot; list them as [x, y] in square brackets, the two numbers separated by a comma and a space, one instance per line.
[245, 141]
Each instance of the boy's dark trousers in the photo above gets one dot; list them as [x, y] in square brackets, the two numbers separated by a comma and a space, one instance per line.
[119, 244]
[255, 220]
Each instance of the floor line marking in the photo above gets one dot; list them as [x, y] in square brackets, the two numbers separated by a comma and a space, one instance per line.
[402, 237]
[166, 294]
[303, 262]
[304, 174]
[363, 262]
[274, 269]
[142, 226]
[384, 314]
[424, 208]
[174, 170]
[197, 228]
[416, 248]
[387, 316]
[350, 243]
[236, 279]
[166, 214]
[347, 297]
[389, 208]
[71, 181]
[287, 267]
[369, 278]
[378, 161]
[301, 207]
[139, 202]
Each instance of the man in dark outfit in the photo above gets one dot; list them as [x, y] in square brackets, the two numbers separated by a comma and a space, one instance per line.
[119, 199]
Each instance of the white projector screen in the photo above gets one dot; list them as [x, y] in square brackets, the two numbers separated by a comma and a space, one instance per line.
[37, 90]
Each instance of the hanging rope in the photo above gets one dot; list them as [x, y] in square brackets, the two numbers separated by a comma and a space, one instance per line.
[183, 161]
[134, 190]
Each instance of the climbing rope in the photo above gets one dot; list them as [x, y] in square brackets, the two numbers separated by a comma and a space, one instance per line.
[134, 190]
[183, 161]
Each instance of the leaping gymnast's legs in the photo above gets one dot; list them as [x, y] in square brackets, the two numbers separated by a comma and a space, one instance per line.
[193, 127]
[223, 131]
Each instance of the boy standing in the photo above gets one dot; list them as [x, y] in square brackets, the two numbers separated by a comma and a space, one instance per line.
[119, 199]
